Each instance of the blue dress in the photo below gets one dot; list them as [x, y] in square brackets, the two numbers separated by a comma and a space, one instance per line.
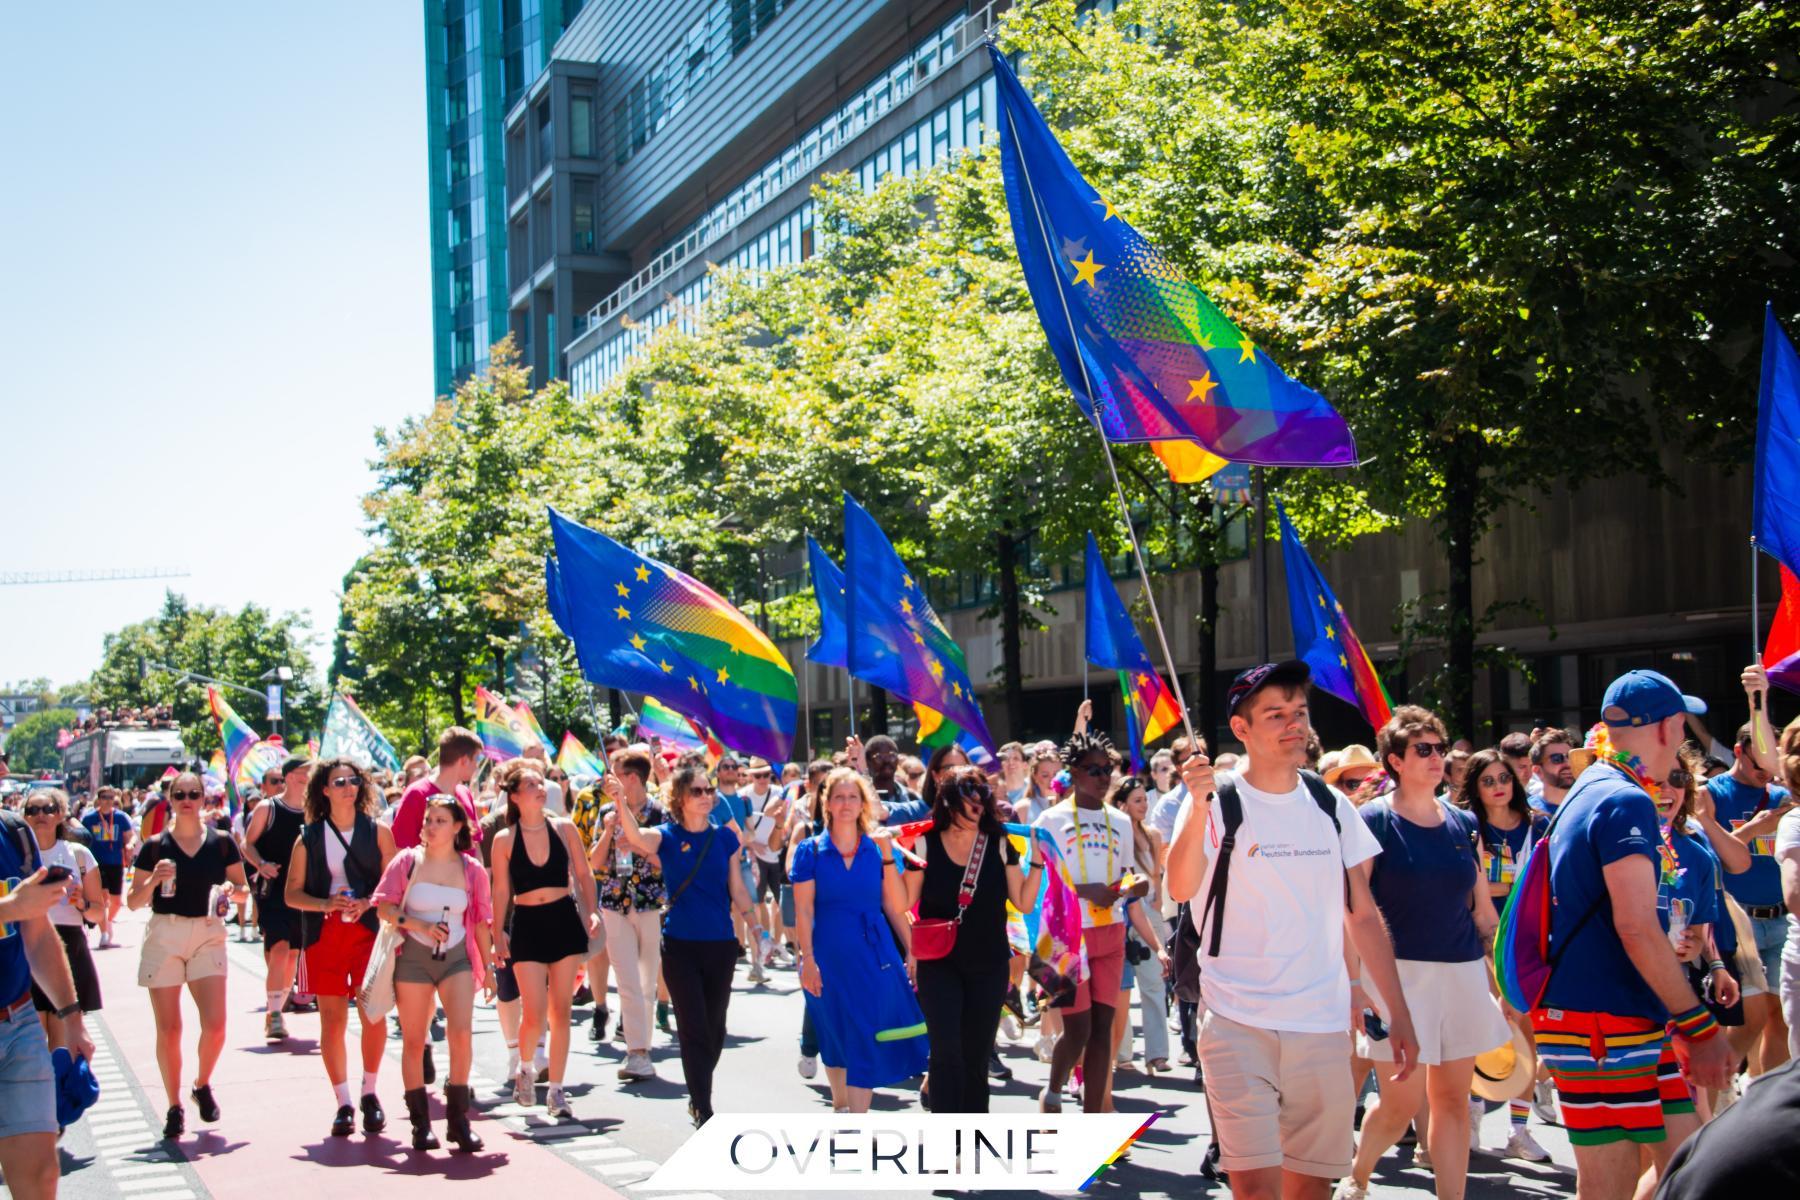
[865, 989]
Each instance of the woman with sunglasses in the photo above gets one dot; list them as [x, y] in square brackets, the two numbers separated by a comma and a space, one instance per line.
[705, 882]
[538, 861]
[179, 873]
[47, 813]
[961, 993]
[331, 880]
[1428, 887]
[439, 896]
[847, 896]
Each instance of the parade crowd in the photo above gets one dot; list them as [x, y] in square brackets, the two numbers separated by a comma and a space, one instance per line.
[1313, 930]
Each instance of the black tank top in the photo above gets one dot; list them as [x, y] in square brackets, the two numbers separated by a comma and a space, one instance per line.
[526, 876]
[276, 844]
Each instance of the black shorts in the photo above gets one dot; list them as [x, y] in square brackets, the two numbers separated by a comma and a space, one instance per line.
[547, 933]
[81, 967]
[769, 878]
[274, 917]
[112, 878]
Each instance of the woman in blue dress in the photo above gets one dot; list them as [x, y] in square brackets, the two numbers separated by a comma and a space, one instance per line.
[851, 910]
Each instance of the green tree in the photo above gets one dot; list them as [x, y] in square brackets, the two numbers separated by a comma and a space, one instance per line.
[31, 743]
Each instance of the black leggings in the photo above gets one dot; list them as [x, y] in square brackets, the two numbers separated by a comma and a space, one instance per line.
[699, 979]
[962, 1013]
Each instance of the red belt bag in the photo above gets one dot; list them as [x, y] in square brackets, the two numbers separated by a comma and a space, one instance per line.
[935, 937]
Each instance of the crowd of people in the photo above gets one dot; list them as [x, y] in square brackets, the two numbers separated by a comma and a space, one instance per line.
[1342, 1004]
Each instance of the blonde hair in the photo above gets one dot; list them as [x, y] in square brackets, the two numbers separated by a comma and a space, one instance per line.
[870, 816]
[1789, 745]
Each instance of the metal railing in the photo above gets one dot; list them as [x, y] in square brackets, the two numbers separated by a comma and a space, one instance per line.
[802, 158]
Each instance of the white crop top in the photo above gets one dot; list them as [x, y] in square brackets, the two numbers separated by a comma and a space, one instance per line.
[427, 902]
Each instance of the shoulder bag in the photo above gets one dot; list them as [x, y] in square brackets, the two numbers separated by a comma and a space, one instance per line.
[935, 937]
[376, 997]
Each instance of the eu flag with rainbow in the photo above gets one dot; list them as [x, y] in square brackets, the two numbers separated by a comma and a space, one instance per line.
[1323, 638]
[1113, 645]
[1147, 354]
[642, 626]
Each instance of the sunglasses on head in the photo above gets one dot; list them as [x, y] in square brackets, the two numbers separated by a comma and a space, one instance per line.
[1428, 749]
[187, 794]
[39, 810]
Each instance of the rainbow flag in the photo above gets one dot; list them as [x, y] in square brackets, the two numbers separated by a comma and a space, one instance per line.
[641, 625]
[531, 723]
[1052, 932]
[675, 731]
[503, 732]
[576, 759]
[1323, 638]
[215, 774]
[247, 757]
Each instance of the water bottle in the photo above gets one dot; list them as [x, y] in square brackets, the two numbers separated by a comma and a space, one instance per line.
[167, 890]
[440, 950]
[1678, 919]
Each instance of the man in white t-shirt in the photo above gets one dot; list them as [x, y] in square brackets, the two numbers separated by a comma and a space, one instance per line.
[1276, 994]
[767, 811]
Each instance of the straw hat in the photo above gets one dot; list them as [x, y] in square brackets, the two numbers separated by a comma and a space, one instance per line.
[1506, 1072]
[1351, 758]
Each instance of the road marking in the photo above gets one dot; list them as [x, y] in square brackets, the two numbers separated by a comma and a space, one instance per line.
[603, 1154]
[146, 1169]
[642, 1166]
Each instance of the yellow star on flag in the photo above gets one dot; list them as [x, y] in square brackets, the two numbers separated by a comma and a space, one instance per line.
[1206, 343]
[918, 638]
[693, 683]
[724, 675]
[1247, 351]
[621, 589]
[906, 606]
[1086, 269]
[643, 574]
[1201, 389]
[1321, 602]
[1143, 679]
[906, 582]
[937, 669]
[1343, 662]
[1111, 212]
[637, 642]
[624, 613]
[666, 665]
[956, 689]
[1331, 632]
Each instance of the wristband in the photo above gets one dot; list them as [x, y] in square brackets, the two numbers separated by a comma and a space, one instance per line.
[1715, 965]
[1695, 1025]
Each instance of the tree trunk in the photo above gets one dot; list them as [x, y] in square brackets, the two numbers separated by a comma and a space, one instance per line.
[615, 704]
[1012, 674]
[1459, 538]
[456, 700]
[878, 712]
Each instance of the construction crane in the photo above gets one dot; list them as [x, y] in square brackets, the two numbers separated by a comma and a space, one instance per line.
[103, 576]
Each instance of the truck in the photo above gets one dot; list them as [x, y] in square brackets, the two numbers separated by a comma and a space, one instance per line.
[123, 757]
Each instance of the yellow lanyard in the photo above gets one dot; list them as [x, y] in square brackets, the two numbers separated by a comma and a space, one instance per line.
[1081, 851]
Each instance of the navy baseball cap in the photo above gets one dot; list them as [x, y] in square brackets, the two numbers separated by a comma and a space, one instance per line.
[1644, 698]
[1290, 674]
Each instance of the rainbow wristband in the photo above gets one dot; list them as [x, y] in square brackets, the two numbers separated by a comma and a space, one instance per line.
[1696, 1024]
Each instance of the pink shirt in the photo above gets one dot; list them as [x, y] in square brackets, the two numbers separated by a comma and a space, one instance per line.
[480, 909]
[409, 814]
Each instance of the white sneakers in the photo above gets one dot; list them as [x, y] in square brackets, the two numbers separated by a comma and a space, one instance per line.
[1543, 1103]
[1009, 1026]
[524, 1089]
[1522, 1145]
[808, 1065]
[1349, 1189]
[556, 1104]
[757, 974]
[1044, 1049]
[637, 1067]
[1049, 1100]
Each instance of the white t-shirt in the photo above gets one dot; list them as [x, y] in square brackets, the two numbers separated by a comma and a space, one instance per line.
[1281, 951]
[1787, 849]
[760, 827]
[1104, 854]
[80, 860]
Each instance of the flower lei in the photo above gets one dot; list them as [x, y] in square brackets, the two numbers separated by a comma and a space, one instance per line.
[1599, 740]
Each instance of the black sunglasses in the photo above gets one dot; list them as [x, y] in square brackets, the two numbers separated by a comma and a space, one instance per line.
[39, 810]
[702, 789]
[1429, 749]
[347, 781]
[1096, 771]
[187, 794]
[1557, 758]
[1680, 778]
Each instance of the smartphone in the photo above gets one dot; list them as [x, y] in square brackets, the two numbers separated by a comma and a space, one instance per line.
[1373, 1026]
[57, 874]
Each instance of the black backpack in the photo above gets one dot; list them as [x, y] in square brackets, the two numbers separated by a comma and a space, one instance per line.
[1186, 942]
[21, 833]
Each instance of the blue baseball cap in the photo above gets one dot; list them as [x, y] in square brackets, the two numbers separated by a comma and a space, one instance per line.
[1644, 698]
[76, 1088]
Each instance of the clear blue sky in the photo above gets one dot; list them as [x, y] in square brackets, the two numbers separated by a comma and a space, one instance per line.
[214, 285]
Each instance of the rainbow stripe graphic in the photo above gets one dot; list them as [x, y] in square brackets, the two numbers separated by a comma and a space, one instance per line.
[675, 731]
[1116, 1155]
[576, 759]
[531, 723]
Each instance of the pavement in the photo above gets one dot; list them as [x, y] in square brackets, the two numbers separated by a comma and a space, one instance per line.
[271, 1141]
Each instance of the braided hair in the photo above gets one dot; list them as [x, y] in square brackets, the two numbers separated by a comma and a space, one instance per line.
[1084, 743]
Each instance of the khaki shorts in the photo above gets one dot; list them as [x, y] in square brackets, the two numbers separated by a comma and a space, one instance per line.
[179, 950]
[1279, 1099]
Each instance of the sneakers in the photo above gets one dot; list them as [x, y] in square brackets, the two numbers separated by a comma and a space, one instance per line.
[636, 1067]
[1543, 1103]
[808, 1065]
[204, 1102]
[1522, 1145]
[597, 1031]
[274, 1028]
[105, 939]
[757, 974]
[1009, 1027]
[997, 1069]
[1044, 1049]
[1049, 1100]
[524, 1090]
[556, 1104]
[1349, 1189]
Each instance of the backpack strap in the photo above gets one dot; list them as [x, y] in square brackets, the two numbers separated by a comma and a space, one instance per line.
[22, 834]
[1322, 796]
[1231, 815]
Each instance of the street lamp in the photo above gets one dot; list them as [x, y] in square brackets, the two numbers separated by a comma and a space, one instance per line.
[272, 680]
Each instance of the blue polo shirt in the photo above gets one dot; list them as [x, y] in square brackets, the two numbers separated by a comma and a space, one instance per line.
[15, 972]
[1736, 803]
[1606, 818]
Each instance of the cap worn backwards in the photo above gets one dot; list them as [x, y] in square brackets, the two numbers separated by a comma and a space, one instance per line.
[1645, 697]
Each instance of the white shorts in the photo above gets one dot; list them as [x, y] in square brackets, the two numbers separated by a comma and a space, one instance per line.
[1453, 1013]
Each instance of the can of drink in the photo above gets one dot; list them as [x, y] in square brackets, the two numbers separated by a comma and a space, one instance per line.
[167, 890]
[347, 894]
[1679, 909]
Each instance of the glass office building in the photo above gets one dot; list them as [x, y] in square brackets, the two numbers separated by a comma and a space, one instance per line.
[480, 56]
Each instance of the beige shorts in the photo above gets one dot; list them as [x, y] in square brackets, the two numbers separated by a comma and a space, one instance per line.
[179, 950]
[1453, 1013]
[1279, 1099]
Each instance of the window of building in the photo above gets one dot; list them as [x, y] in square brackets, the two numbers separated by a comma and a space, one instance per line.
[582, 208]
[581, 126]
[546, 136]
[459, 162]
[462, 286]
[459, 225]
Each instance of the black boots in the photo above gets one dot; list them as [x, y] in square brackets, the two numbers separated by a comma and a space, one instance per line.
[419, 1110]
[456, 1124]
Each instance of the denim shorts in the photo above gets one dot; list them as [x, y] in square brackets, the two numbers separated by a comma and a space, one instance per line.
[27, 1083]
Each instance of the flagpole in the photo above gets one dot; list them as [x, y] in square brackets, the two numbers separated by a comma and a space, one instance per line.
[805, 708]
[1137, 552]
[600, 731]
[1262, 565]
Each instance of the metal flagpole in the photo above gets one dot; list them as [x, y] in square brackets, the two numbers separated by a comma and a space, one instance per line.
[600, 731]
[1137, 552]
[805, 708]
[1262, 565]
[1756, 643]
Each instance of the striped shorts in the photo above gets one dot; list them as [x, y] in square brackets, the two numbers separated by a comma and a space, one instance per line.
[1617, 1077]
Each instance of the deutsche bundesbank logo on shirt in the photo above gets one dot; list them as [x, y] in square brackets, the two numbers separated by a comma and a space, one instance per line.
[1286, 850]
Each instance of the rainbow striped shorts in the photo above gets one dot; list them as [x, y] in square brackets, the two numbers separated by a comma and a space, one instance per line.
[1616, 1077]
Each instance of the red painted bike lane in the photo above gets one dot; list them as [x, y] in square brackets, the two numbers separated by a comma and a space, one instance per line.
[271, 1141]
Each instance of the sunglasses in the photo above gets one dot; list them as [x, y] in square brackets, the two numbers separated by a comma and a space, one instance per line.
[187, 794]
[703, 789]
[347, 781]
[1556, 759]
[39, 810]
[1181, 758]
[1428, 749]
[1680, 778]
[1494, 781]
[1096, 771]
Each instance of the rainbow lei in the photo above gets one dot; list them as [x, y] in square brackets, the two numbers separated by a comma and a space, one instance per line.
[1599, 740]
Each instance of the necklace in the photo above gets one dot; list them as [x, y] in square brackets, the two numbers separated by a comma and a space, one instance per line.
[538, 828]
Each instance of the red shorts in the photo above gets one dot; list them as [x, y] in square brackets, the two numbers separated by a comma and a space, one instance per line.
[336, 962]
[1105, 946]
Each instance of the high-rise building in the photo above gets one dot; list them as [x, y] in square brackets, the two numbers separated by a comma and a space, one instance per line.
[480, 56]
